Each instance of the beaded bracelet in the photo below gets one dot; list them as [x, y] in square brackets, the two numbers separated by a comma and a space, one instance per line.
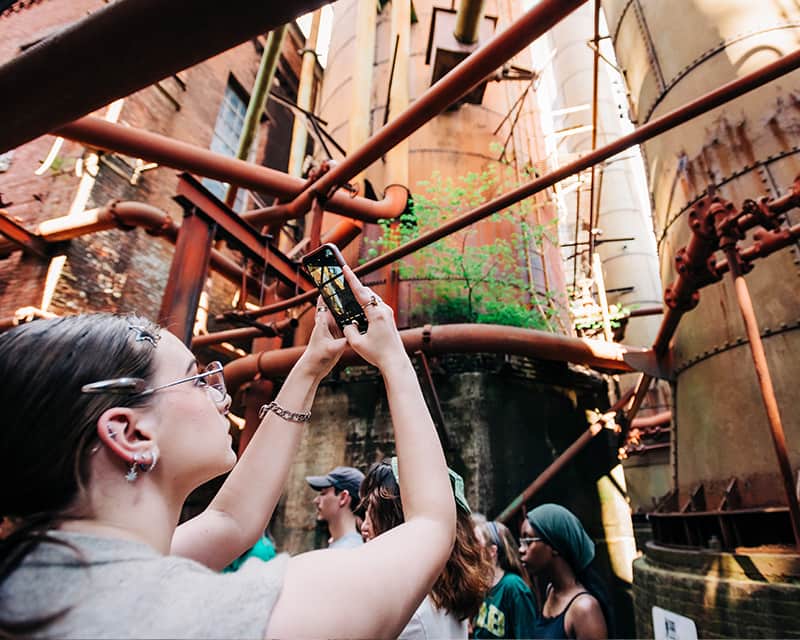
[279, 411]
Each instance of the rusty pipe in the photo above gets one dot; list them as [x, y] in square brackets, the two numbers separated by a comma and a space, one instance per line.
[270, 330]
[471, 71]
[674, 118]
[646, 311]
[456, 338]
[561, 461]
[180, 33]
[656, 420]
[765, 385]
[153, 147]
[394, 202]
[126, 215]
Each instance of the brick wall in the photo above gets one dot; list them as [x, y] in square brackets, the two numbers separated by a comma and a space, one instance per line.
[114, 270]
[727, 595]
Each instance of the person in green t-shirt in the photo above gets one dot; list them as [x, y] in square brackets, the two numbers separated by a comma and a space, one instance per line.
[508, 610]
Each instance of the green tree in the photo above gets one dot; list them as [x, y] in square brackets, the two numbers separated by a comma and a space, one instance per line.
[462, 278]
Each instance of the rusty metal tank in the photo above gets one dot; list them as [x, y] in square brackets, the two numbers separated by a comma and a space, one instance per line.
[725, 464]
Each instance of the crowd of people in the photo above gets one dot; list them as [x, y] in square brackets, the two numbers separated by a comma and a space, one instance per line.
[110, 424]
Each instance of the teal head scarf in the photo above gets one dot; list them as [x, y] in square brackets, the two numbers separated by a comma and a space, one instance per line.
[564, 532]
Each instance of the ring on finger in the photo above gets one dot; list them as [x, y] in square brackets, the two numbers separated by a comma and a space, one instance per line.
[373, 302]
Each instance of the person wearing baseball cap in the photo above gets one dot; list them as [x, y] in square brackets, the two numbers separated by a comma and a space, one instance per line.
[337, 499]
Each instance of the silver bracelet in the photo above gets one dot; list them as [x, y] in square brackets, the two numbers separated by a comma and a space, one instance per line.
[279, 411]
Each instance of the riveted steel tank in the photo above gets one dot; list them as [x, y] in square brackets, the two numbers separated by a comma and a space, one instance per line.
[745, 149]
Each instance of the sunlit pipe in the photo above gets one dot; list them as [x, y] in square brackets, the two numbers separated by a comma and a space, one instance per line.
[701, 105]
[23, 315]
[470, 72]
[656, 420]
[153, 147]
[126, 215]
[456, 338]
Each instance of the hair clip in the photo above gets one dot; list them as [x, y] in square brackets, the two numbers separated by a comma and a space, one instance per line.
[143, 334]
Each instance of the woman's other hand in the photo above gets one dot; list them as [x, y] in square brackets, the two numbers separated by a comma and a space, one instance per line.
[381, 345]
[323, 350]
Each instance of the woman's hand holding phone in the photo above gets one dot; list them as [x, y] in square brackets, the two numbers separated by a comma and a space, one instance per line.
[324, 348]
[381, 345]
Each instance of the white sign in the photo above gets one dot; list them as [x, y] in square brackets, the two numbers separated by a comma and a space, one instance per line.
[672, 626]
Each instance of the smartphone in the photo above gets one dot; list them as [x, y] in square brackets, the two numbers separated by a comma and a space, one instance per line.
[324, 265]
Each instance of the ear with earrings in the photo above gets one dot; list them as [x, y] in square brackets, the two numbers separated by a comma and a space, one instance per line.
[139, 463]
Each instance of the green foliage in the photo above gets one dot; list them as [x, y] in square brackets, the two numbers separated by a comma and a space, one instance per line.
[463, 278]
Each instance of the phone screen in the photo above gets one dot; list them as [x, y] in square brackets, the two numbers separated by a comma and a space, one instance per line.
[329, 278]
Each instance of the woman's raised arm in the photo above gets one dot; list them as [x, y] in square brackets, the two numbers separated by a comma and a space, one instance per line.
[372, 591]
[238, 514]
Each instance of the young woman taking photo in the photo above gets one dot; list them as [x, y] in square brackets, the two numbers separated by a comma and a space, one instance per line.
[109, 423]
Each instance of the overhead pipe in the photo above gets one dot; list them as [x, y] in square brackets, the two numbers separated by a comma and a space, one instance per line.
[456, 338]
[660, 419]
[180, 33]
[468, 20]
[23, 315]
[153, 147]
[674, 118]
[126, 215]
[470, 72]
[297, 150]
[258, 100]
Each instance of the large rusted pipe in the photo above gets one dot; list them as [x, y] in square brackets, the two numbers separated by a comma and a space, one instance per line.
[560, 462]
[668, 121]
[153, 147]
[471, 71]
[457, 338]
[765, 384]
[179, 33]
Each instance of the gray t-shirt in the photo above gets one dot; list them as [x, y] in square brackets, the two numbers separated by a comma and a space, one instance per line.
[125, 589]
[347, 541]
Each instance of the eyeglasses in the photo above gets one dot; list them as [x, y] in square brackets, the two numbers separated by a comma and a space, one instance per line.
[526, 542]
[211, 376]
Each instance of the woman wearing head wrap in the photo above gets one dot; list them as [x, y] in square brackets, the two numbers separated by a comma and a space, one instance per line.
[555, 547]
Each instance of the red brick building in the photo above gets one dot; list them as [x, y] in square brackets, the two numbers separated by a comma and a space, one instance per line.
[119, 270]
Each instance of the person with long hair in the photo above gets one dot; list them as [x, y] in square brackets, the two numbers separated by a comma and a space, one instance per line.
[508, 609]
[555, 547]
[109, 423]
[458, 591]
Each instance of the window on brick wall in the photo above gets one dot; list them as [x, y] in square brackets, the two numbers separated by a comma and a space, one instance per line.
[228, 128]
[537, 271]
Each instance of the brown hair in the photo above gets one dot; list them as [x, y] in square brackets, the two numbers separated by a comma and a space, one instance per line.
[50, 428]
[497, 534]
[466, 578]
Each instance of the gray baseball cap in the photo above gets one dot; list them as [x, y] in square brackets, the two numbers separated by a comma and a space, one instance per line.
[340, 478]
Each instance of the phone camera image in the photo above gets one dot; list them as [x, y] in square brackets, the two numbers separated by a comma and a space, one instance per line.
[325, 268]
